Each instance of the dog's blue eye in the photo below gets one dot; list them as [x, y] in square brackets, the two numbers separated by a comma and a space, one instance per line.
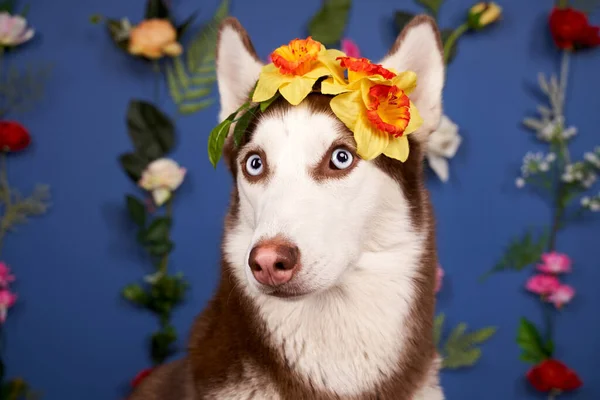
[341, 158]
[254, 165]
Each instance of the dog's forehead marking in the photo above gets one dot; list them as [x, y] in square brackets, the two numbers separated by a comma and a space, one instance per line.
[297, 132]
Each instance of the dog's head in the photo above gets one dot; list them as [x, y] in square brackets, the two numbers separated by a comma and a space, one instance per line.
[306, 208]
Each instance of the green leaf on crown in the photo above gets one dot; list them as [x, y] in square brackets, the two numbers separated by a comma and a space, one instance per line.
[329, 23]
[242, 124]
[191, 77]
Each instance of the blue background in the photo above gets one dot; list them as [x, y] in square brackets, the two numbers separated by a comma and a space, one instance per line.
[73, 337]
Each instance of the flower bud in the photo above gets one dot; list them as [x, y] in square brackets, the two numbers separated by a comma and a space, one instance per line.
[483, 14]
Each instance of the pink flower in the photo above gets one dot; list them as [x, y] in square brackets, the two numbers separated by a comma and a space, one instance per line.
[542, 284]
[439, 278]
[350, 48]
[555, 263]
[7, 299]
[561, 295]
[5, 276]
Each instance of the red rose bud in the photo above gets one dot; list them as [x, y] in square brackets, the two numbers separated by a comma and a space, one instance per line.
[553, 375]
[141, 376]
[13, 136]
[571, 30]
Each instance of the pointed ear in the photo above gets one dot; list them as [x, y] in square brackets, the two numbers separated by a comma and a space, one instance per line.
[238, 66]
[418, 48]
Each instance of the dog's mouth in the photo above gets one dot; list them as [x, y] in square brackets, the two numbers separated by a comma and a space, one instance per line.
[289, 291]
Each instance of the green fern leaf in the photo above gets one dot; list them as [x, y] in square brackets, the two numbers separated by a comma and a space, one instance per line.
[191, 77]
[191, 108]
[194, 94]
[460, 349]
[173, 85]
[202, 80]
[180, 73]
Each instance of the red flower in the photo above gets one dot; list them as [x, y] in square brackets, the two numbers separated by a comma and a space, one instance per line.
[571, 30]
[141, 376]
[553, 375]
[13, 136]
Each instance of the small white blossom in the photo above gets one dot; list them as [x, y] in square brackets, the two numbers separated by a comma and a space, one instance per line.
[520, 182]
[593, 159]
[550, 157]
[534, 163]
[591, 203]
[569, 132]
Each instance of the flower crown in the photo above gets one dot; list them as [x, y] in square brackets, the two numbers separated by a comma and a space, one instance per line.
[370, 100]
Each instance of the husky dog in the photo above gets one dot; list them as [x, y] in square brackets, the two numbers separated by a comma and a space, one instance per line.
[328, 260]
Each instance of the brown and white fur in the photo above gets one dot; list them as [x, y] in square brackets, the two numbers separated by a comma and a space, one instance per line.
[355, 321]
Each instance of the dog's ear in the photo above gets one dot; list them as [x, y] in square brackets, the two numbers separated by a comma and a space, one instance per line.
[418, 48]
[238, 66]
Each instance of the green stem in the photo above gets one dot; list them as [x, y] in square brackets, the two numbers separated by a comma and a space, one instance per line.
[452, 39]
[164, 262]
[6, 196]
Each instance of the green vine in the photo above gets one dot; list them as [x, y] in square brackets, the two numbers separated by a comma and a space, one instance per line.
[153, 135]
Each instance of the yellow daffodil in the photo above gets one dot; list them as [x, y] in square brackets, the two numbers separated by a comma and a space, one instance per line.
[374, 105]
[295, 68]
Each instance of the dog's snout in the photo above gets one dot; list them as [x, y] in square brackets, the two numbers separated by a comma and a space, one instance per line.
[274, 262]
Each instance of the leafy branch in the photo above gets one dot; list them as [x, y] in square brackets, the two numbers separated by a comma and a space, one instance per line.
[520, 253]
[18, 209]
[20, 89]
[190, 80]
[460, 348]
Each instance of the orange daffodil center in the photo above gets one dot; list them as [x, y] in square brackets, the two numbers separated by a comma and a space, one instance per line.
[374, 105]
[372, 102]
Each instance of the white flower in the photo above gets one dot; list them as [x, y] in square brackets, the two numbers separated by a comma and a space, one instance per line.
[520, 182]
[162, 177]
[544, 166]
[585, 201]
[595, 207]
[551, 157]
[13, 30]
[569, 132]
[443, 144]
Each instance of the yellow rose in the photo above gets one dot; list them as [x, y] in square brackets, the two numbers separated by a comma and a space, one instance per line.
[483, 14]
[154, 38]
